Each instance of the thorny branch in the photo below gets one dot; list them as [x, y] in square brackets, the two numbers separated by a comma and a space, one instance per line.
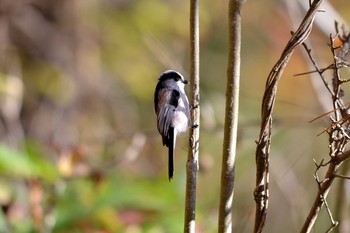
[338, 131]
[261, 192]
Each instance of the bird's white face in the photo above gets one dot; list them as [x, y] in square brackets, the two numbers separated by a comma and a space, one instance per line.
[181, 85]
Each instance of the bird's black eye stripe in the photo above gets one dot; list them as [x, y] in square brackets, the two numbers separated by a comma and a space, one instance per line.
[177, 78]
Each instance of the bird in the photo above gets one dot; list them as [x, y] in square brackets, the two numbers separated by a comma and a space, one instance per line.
[172, 111]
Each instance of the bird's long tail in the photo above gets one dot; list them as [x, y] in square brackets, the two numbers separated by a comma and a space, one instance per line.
[172, 142]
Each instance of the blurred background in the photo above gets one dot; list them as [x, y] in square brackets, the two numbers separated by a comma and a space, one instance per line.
[79, 148]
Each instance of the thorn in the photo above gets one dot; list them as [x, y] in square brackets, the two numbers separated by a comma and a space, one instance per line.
[195, 126]
[194, 106]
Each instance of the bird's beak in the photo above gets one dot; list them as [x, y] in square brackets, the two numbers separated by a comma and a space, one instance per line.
[186, 81]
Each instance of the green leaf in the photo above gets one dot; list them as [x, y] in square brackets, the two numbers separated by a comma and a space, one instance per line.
[21, 164]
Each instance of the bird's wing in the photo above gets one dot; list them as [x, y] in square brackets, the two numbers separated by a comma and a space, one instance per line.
[168, 100]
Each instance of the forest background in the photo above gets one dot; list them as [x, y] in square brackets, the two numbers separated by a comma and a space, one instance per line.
[79, 147]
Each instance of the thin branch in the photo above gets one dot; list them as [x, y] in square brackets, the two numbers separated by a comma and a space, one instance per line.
[324, 187]
[192, 161]
[323, 198]
[231, 116]
[318, 70]
[261, 192]
[341, 176]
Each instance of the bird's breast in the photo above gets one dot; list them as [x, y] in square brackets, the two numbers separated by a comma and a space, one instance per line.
[181, 119]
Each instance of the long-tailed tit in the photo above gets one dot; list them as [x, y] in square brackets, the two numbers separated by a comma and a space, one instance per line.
[172, 110]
